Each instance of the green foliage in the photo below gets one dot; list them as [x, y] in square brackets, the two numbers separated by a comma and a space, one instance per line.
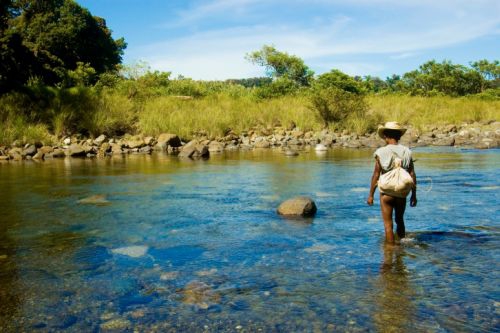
[251, 82]
[445, 78]
[339, 80]
[490, 94]
[15, 123]
[82, 75]
[335, 106]
[282, 86]
[375, 84]
[58, 41]
[490, 71]
[115, 114]
[282, 65]
[337, 98]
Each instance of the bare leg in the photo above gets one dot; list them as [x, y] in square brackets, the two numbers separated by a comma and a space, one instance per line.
[386, 207]
[399, 207]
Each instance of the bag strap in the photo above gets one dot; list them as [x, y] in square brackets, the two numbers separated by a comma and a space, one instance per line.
[395, 161]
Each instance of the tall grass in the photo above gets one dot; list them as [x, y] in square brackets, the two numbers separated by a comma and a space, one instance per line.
[218, 113]
[90, 112]
[17, 128]
[426, 112]
[114, 114]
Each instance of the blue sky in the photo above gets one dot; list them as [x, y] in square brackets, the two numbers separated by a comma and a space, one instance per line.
[209, 39]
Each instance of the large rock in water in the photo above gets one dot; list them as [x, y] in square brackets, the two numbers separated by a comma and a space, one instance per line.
[299, 206]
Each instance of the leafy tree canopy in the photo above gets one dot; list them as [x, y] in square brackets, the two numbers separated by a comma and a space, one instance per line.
[49, 38]
[445, 78]
[339, 80]
[282, 65]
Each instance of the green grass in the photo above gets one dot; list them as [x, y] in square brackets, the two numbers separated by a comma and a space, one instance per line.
[427, 112]
[18, 129]
[218, 113]
[114, 113]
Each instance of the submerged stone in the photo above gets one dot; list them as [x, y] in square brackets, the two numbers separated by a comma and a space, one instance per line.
[136, 251]
[99, 199]
[318, 248]
[118, 324]
[169, 276]
[199, 294]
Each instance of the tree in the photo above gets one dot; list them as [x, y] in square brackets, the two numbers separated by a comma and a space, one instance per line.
[61, 35]
[395, 83]
[375, 84]
[16, 61]
[282, 65]
[490, 71]
[444, 78]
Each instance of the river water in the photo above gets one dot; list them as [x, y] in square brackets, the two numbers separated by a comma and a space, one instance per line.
[154, 243]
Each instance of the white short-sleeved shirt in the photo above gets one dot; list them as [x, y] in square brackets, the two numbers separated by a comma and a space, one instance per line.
[387, 153]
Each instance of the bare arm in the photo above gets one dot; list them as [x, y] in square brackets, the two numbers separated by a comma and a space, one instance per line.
[413, 198]
[373, 185]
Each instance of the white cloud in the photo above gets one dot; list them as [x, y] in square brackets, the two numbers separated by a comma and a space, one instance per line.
[404, 55]
[219, 53]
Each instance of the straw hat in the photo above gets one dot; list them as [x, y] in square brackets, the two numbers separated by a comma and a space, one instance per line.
[391, 125]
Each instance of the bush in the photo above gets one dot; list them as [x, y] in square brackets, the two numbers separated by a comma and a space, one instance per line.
[339, 80]
[490, 94]
[335, 106]
[187, 87]
[278, 88]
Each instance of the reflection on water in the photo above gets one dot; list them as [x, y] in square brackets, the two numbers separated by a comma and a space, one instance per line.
[395, 309]
[154, 243]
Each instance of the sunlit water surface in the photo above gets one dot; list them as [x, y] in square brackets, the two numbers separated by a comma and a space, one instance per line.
[191, 246]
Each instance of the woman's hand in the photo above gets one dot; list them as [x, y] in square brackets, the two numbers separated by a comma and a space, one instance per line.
[369, 201]
[413, 200]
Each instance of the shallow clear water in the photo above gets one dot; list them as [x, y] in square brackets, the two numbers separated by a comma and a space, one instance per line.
[197, 245]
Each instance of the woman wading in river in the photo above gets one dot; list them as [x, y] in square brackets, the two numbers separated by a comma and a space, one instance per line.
[388, 159]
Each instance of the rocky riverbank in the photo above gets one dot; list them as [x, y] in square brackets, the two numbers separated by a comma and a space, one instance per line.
[291, 139]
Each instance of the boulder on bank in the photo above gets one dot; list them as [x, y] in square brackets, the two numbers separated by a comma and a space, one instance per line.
[56, 153]
[75, 150]
[262, 144]
[216, 147]
[168, 140]
[29, 150]
[194, 149]
[299, 206]
[445, 141]
[99, 140]
[135, 143]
